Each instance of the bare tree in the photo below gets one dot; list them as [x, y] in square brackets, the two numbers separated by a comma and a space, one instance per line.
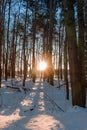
[77, 89]
[8, 41]
[1, 36]
[24, 45]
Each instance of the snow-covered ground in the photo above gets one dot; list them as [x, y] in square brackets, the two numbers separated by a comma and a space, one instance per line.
[41, 107]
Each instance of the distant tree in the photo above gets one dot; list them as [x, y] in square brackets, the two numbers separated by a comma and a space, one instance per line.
[24, 44]
[1, 36]
[13, 50]
[34, 38]
[66, 67]
[51, 9]
[3, 44]
[8, 40]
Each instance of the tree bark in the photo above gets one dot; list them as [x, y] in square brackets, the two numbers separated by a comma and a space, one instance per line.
[51, 74]
[33, 56]
[77, 90]
[66, 69]
[81, 48]
[1, 37]
[24, 45]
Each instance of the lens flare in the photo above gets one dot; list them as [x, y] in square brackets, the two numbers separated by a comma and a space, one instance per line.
[42, 65]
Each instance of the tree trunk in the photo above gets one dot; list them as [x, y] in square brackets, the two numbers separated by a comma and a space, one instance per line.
[1, 37]
[77, 91]
[24, 44]
[33, 56]
[13, 49]
[6, 62]
[3, 43]
[81, 47]
[51, 74]
[85, 38]
[66, 69]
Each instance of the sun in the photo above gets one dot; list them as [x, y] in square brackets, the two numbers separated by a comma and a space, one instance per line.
[42, 65]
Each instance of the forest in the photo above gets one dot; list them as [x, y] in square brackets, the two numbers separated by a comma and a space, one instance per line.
[52, 31]
[43, 64]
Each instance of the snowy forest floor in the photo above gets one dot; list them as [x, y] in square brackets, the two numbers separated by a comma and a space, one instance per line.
[39, 107]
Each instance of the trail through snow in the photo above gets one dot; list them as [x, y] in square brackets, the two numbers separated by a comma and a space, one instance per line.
[32, 110]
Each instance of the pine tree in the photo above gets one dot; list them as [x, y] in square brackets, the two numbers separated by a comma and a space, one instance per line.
[76, 85]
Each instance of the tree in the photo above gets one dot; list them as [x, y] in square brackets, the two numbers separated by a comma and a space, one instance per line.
[24, 44]
[81, 48]
[1, 37]
[13, 51]
[85, 38]
[34, 38]
[8, 41]
[51, 8]
[73, 56]
[66, 67]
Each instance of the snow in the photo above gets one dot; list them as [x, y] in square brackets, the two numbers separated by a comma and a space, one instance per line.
[38, 107]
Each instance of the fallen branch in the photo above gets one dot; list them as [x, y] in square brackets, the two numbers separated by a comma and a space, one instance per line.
[62, 85]
[13, 87]
[19, 89]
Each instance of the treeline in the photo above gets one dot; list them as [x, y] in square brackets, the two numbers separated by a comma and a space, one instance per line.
[50, 30]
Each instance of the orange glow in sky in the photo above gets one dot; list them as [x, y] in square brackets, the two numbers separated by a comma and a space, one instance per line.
[42, 65]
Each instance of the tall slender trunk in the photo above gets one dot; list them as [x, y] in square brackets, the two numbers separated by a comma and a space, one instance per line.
[1, 37]
[81, 47]
[50, 43]
[6, 62]
[59, 58]
[66, 68]
[24, 45]
[18, 39]
[13, 51]
[3, 44]
[44, 53]
[85, 38]
[73, 57]
[34, 37]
